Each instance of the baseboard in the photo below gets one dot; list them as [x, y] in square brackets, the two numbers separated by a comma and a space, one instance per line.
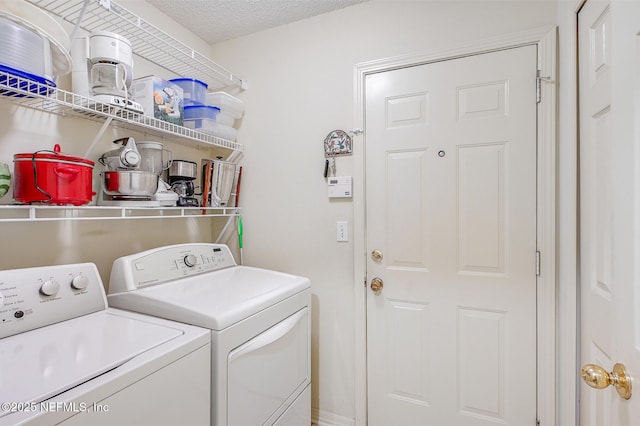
[324, 418]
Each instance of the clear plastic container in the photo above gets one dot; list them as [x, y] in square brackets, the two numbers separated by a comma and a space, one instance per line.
[225, 118]
[227, 103]
[201, 111]
[24, 50]
[212, 127]
[195, 91]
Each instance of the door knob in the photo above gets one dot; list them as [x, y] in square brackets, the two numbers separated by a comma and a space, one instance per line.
[377, 256]
[376, 284]
[598, 378]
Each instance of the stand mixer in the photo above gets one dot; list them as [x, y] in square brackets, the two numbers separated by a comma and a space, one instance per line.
[132, 175]
[103, 69]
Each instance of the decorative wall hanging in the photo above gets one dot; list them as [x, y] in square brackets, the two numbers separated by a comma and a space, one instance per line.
[337, 142]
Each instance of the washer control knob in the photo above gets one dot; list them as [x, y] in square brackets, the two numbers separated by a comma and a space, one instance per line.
[190, 260]
[50, 287]
[80, 282]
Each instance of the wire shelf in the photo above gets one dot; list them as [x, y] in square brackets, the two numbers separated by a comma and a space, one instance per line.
[50, 99]
[147, 40]
[51, 213]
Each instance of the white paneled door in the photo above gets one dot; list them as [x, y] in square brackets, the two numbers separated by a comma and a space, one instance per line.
[451, 241]
[609, 104]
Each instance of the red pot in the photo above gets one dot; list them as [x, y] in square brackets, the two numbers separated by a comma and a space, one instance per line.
[52, 177]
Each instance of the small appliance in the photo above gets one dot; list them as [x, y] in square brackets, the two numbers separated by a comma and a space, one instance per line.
[132, 175]
[51, 177]
[182, 175]
[218, 178]
[103, 69]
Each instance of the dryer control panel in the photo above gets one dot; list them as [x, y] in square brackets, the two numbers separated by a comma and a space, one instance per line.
[35, 297]
[164, 264]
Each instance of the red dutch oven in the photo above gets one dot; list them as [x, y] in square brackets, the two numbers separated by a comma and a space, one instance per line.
[52, 177]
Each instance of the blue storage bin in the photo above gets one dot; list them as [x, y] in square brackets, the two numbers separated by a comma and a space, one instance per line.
[195, 112]
[195, 91]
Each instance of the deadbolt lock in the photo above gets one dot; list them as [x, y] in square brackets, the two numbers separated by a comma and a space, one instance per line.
[377, 256]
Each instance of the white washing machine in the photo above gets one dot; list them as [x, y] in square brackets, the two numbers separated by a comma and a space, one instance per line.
[259, 320]
[67, 358]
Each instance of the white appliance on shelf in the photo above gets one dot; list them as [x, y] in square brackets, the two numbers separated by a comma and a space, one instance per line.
[103, 69]
[69, 359]
[259, 321]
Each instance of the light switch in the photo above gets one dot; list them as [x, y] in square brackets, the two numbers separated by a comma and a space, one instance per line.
[342, 231]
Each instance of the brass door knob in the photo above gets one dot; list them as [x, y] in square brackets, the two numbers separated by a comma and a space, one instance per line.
[376, 284]
[377, 256]
[598, 378]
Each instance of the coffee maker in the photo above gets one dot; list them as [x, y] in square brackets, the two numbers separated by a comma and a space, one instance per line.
[182, 175]
[132, 175]
[103, 69]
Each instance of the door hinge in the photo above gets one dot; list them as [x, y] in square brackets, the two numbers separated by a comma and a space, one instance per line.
[537, 263]
[539, 79]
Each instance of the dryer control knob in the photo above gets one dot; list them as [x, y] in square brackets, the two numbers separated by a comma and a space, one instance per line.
[50, 287]
[190, 260]
[80, 282]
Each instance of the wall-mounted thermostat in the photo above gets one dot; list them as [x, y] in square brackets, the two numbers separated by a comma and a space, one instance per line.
[339, 187]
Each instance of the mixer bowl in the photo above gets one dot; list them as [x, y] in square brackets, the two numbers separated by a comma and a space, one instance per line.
[129, 182]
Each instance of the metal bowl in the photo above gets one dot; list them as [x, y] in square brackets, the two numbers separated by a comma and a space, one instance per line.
[129, 182]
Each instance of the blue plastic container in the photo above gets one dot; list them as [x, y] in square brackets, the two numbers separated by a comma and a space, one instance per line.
[196, 112]
[195, 91]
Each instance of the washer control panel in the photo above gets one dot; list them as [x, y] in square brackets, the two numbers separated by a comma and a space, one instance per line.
[35, 297]
[168, 263]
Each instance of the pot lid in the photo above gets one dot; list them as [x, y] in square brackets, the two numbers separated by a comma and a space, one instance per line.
[55, 155]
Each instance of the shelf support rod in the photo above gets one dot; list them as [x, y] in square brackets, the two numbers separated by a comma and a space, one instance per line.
[224, 230]
[98, 136]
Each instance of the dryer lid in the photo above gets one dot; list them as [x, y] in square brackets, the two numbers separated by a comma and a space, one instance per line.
[42, 363]
[214, 300]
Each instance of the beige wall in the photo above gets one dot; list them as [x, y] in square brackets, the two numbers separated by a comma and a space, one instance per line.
[300, 80]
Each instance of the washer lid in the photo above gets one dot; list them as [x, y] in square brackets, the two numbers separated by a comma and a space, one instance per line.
[41, 363]
[213, 300]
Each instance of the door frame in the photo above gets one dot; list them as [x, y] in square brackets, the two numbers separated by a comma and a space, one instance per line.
[546, 41]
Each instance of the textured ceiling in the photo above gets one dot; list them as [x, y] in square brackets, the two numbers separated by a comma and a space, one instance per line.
[219, 20]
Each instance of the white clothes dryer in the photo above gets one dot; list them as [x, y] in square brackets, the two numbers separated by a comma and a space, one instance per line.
[259, 319]
[69, 359]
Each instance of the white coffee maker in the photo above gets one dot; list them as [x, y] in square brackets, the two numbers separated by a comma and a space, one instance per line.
[103, 69]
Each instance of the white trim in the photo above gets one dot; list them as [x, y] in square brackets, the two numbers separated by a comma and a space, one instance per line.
[324, 418]
[545, 39]
[547, 181]
[567, 311]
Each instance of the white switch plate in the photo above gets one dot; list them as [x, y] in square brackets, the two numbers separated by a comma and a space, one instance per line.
[342, 231]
